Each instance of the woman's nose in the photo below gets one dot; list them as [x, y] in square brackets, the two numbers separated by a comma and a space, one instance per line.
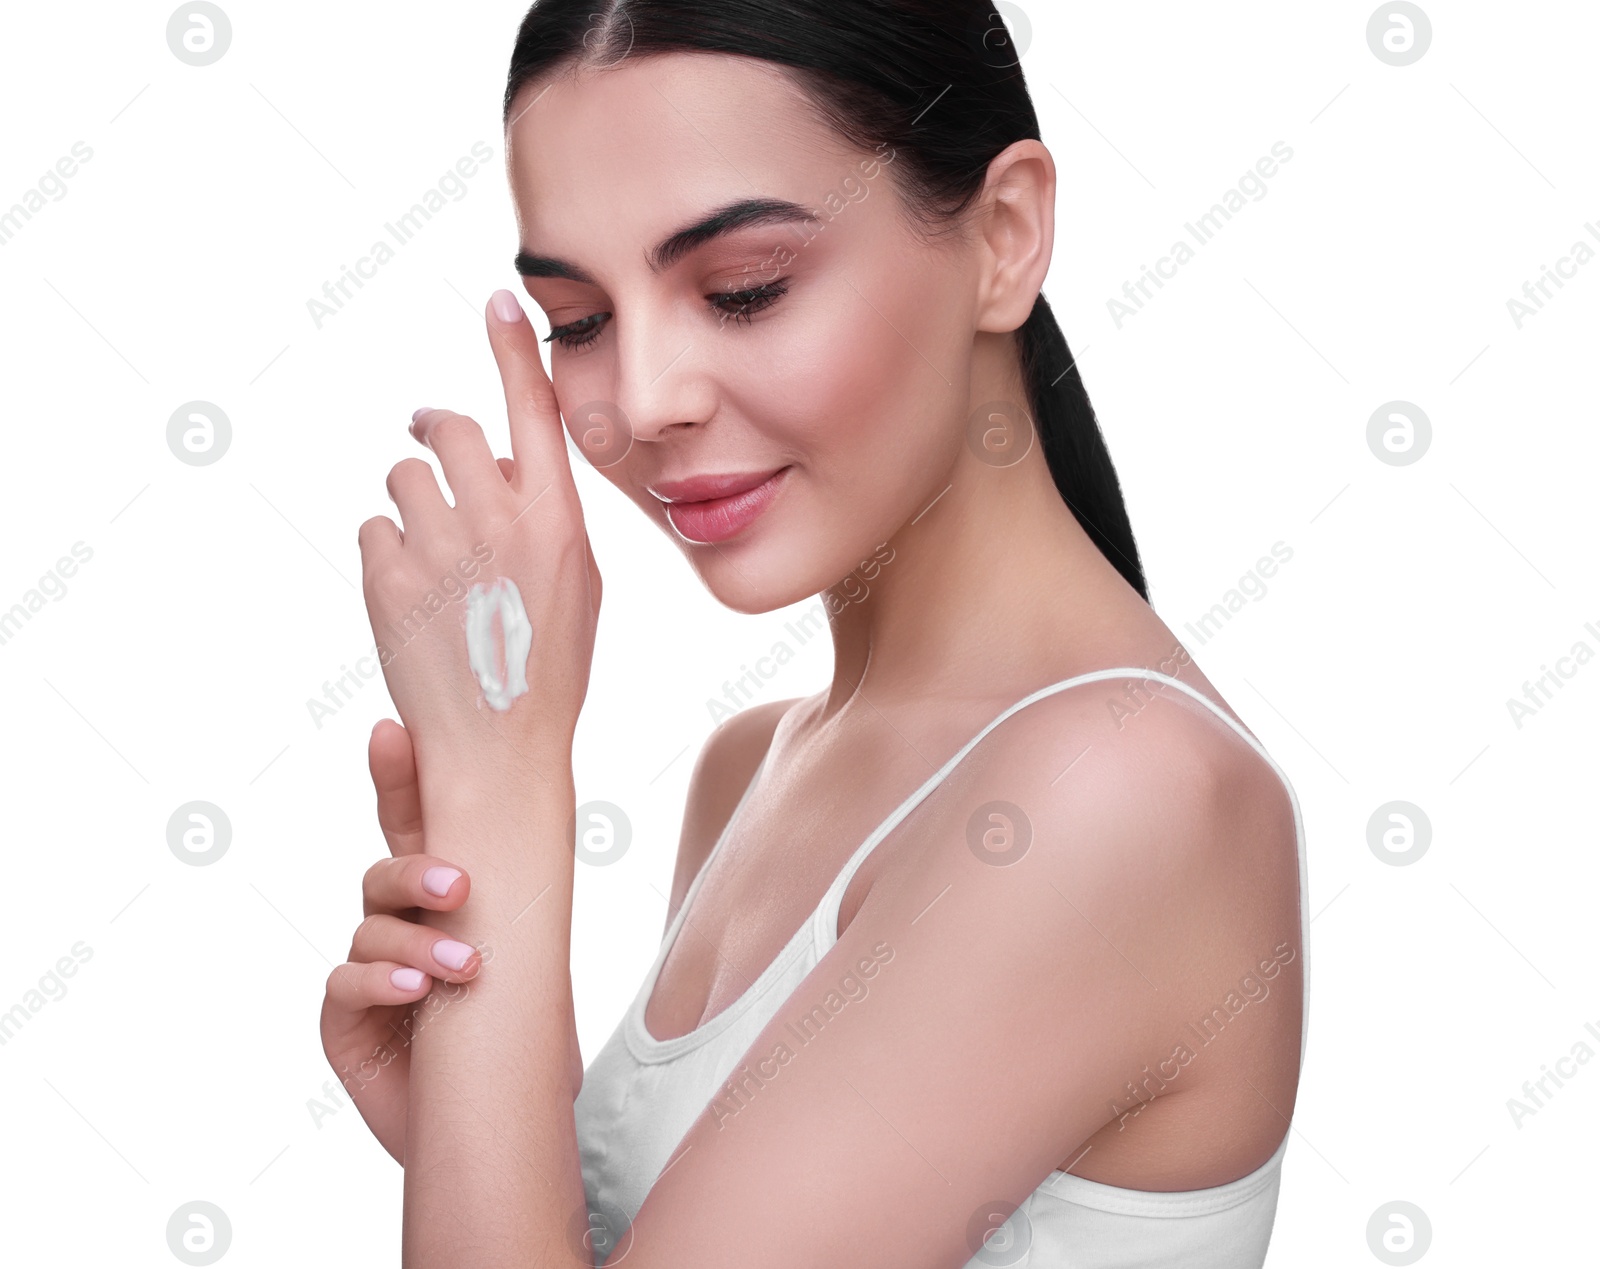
[662, 380]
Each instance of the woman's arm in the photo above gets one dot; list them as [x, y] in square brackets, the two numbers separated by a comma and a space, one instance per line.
[491, 1168]
[492, 1174]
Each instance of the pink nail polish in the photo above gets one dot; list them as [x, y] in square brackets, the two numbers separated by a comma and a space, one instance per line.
[506, 307]
[407, 979]
[438, 880]
[449, 952]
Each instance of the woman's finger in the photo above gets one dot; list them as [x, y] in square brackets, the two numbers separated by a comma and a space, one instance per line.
[357, 986]
[382, 937]
[415, 491]
[463, 452]
[538, 445]
[393, 764]
[508, 469]
[413, 881]
[377, 534]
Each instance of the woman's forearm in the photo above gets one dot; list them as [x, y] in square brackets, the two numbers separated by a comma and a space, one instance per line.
[491, 1159]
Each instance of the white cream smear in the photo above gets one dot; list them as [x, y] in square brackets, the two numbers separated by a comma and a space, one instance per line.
[484, 602]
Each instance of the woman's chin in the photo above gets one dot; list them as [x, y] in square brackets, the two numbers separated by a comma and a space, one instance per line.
[747, 594]
[753, 582]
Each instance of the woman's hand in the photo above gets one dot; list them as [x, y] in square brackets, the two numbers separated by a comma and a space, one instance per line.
[374, 1002]
[367, 1018]
[520, 521]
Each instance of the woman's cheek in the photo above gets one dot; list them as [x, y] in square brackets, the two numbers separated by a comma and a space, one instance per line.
[601, 432]
[834, 372]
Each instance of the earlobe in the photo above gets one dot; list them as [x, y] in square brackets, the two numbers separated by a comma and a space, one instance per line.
[1018, 227]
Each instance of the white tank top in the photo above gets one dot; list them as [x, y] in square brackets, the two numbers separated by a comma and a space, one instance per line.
[641, 1095]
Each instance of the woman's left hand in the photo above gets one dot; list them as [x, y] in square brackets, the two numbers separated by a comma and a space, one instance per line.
[518, 519]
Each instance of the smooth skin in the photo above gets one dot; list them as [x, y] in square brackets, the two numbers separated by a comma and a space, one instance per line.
[997, 1043]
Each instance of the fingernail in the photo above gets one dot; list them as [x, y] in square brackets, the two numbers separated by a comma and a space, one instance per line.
[418, 413]
[407, 979]
[449, 952]
[438, 880]
[506, 307]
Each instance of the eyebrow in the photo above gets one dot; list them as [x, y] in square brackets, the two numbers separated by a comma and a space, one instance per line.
[671, 249]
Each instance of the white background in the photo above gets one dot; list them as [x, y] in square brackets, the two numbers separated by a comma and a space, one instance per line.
[218, 599]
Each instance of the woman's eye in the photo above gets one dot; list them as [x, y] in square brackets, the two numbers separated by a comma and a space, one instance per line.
[739, 305]
[576, 334]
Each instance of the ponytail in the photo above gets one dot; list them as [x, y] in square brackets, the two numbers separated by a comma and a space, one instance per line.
[1074, 447]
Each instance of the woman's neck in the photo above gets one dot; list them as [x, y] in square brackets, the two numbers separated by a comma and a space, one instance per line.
[993, 590]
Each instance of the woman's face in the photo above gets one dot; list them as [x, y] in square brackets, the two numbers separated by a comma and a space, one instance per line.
[838, 350]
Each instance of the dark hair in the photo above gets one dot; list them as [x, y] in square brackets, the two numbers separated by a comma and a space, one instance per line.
[934, 79]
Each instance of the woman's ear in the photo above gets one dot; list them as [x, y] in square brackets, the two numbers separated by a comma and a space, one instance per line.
[1017, 221]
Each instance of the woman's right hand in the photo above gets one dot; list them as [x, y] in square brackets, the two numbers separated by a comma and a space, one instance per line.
[371, 1008]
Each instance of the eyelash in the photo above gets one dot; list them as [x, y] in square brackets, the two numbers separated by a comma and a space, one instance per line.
[750, 300]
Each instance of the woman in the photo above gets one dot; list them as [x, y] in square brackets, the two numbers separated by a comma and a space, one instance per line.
[989, 937]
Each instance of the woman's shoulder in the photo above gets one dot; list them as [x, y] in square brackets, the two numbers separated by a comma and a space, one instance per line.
[1136, 787]
[1141, 735]
[1130, 786]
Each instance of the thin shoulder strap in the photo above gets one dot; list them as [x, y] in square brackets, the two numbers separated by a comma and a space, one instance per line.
[826, 917]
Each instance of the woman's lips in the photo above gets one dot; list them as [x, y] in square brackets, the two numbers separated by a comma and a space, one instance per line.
[718, 519]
